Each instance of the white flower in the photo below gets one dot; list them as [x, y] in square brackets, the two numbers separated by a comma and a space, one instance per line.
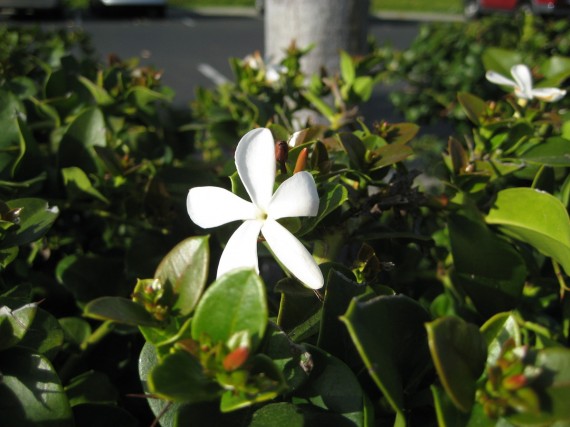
[523, 85]
[297, 196]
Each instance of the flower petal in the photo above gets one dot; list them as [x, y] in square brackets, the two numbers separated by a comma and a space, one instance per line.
[296, 196]
[255, 161]
[214, 206]
[523, 78]
[292, 254]
[241, 249]
[499, 79]
[548, 94]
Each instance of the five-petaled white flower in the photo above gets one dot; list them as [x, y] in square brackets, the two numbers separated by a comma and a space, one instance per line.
[296, 196]
[523, 85]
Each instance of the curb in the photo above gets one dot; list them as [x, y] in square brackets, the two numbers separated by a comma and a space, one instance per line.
[250, 12]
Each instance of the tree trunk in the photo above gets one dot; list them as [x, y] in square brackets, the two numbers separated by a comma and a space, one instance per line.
[331, 25]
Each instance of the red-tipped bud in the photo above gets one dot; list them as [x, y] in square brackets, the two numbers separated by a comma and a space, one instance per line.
[301, 160]
[236, 358]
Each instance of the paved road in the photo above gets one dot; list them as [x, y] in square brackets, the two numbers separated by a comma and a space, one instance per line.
[183, 42]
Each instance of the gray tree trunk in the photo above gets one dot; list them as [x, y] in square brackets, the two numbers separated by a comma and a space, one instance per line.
[331, 25]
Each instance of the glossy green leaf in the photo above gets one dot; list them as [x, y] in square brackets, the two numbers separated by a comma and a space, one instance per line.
[179, 377]
[390, 154]
[100, 95]
[447, 414]
[31, 394]
[91, 387]
[473, 106]
[488, 268]
[554, 152]
[185, 268]
[333, 387]
[536, 218]
[35, 219]
[44, 336]
[76, 146]
[15, 323]
[92, 276]
[286, 355]
[497, 331]
[11, 148]
[97, 414]
[347, 70]
[120, 310]
[265, 383]
[278, 415]
[501, 60]
[167, 411]
[363, 87]
[556, 70]
[459, 352]
[78, 185]
[340, 291]
[354, 147]
[333, 198]
[236, 302]
[76, 331]
[389, 334]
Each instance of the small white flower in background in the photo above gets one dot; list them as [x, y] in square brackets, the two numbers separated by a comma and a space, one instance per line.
[296, 196]
[273, 72]
[522, 84]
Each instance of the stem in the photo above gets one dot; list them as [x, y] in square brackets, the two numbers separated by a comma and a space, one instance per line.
[560, 277]
[100, 333]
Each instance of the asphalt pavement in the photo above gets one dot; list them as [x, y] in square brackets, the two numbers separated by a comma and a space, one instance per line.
[192, 47]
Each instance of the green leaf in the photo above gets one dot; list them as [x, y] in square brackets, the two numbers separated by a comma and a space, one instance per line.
[120, 310]
[35, 219]
[473, 106]
[447, 414]
[11, 148]
[266, 382]
[236, 302]
[91, 387]
[321, 106]
[185, 269]
[354, 147]
[278, 415]
[556, 70]
[100, 95]
[501, 60]
[44, 336]
[389, 334]
[363, 87]
[488, 268]
[459, 352]
[92, 276]
[536, 218]
[15, 323]
[77, 144]
[347, 70]
[286, 355]
[31, 394]
[78, 185]
[332, 386]
[390, 154]
[497, 331]
[553, 151]
[179, 377]
[332, 199]
[340, 291]
[75, 330]
[167, 411]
